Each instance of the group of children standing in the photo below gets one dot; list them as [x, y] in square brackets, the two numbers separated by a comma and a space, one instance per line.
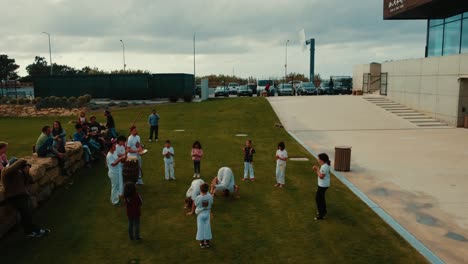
[200, 195]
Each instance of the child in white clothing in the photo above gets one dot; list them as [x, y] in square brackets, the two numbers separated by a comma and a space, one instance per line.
[281, 158]
[168, 153]
[203, 205]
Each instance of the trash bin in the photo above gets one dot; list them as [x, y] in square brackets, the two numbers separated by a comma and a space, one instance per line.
[466, 121]
[342, 158]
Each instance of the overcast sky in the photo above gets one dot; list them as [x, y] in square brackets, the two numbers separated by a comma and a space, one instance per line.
[244, 37]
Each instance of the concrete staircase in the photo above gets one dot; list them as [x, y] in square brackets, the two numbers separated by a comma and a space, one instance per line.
[413, 116]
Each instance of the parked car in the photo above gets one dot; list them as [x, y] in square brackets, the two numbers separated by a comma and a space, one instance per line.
[285, 89]
[325, 89]
[221, 91]
[253, 87]
[232, 88]
[244, 90]
[306, 88]
[261, 84]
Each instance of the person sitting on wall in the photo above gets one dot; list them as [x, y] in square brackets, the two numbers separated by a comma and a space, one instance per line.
[94, 130]
[224, 182]
[45, 144]
[15, 179]
[81, 136]
[4, 162]
[59, 135]
[110, 124]
[45, 148]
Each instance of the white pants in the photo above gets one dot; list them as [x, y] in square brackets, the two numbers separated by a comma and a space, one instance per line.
[169, 168]
[280, 172]
[248, 167]
[115, 187]
[203, 226]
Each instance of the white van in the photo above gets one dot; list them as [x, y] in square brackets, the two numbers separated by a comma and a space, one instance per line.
[261, 84]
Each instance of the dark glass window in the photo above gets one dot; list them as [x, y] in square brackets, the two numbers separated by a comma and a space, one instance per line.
[453, 18]
[464, 47]
[435, 22]
[452, 38]
[434, 45]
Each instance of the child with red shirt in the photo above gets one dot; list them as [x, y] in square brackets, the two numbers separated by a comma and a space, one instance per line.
[133, 201]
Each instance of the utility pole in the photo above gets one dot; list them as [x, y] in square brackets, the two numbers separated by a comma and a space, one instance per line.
[50, 55]
[194, 76]
[286, 63]
[123, 52]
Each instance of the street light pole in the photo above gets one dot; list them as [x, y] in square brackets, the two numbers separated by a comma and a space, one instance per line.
[194, 77]
[50, 54]
[123, 51]
[286, 63]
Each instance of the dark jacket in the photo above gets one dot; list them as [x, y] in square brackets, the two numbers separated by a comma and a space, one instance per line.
[134, 206]
[14, 180]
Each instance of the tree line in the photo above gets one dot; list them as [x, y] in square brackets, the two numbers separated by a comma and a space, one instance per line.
[40, 67]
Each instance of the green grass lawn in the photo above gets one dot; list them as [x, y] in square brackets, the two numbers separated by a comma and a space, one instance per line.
[266, 225]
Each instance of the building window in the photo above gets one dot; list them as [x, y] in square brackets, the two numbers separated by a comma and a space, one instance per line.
[445, 35]
[452, 36]
[434, 45]
[464, 46]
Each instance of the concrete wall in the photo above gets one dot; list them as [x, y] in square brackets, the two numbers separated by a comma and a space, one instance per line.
[358, 72]
[429, 85]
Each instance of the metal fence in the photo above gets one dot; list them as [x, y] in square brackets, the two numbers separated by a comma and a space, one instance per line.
[116, 86]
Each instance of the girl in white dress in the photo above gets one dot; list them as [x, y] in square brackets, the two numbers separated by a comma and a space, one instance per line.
[203, 205]
[281, 158]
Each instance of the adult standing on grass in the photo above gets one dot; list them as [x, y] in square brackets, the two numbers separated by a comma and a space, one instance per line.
[114, 173]
[134, 148]
[110, 123]
[15, 180]
[153, 121]
[323, 177]
[224, 182]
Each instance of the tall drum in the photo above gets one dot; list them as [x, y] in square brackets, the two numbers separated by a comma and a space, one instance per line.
[131, 170]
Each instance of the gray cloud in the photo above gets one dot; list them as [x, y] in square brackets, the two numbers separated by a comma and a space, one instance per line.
[223, 27]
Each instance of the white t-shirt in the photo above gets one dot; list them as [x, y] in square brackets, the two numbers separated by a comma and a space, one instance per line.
[325, 182]
[225, 180]
[282, 154]
[194, 189]
[168, 150]
[112, 158]
[120, 150]
[207, 198]
[132, 143]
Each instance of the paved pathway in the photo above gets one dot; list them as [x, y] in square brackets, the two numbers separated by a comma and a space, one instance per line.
[417, 175]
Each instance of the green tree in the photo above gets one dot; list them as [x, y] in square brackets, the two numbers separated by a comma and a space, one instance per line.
[8, 68]
[38, 68]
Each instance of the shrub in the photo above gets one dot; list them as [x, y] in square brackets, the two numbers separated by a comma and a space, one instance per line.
[13, 101]
[36, 100]
[88, 97]
[188, 98]
[135, 103]
[27, 101]
[112, 104]
[21, 101]
[71, 101]
[94, 107]
[123, 104]
[173, 98]
[81, 101]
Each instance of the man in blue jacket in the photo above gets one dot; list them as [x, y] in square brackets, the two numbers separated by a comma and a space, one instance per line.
[153, 121]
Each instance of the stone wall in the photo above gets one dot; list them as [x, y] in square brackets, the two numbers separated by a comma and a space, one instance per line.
[31, 111]
[47, 177]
